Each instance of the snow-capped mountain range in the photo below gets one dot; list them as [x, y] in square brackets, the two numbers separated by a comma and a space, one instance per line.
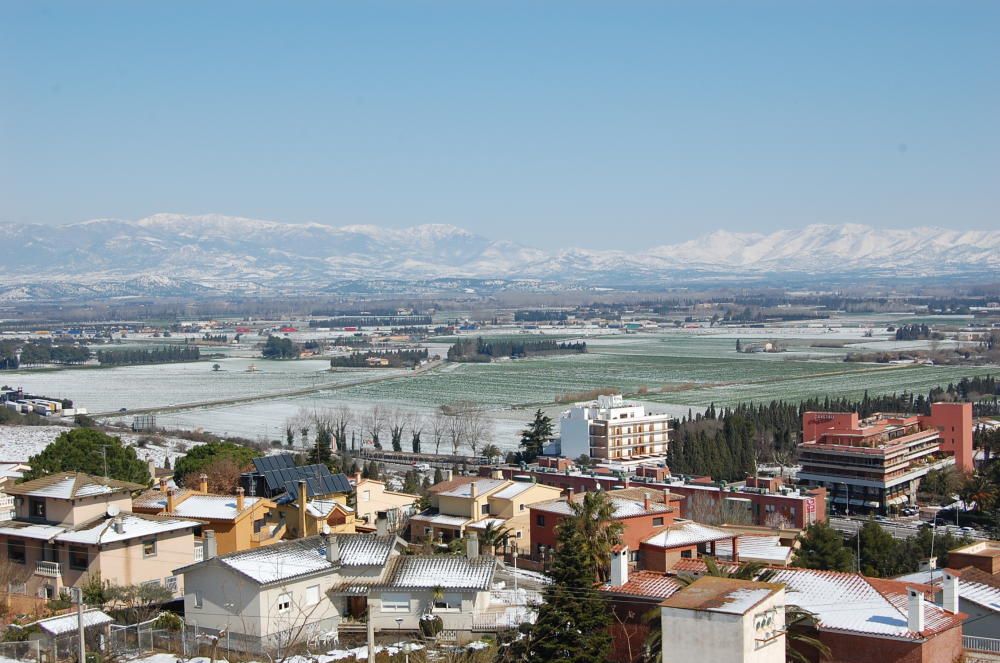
[167, 252]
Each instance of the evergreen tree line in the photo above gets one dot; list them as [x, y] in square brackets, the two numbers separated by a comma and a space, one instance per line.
[396, 358]
[161, 355]
[482, 350]
[915, 333]
[728, 444]
[277, 347]
[40, 352]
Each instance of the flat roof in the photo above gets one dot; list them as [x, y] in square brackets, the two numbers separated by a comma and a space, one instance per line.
[725, 595]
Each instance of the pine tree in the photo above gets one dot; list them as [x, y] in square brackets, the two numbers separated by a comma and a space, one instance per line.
[823, 548]
[572, 624]
[534, 437]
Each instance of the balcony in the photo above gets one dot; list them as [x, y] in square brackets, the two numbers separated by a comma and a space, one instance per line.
[48, 569]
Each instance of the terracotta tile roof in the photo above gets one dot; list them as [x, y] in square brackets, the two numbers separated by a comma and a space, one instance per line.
[711, 594]
[692, 566]
[451, 484]
[646, 584]
[851, 602]
[71, 485]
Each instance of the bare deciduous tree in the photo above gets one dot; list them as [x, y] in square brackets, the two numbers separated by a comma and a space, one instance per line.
[374, 423]
[439, 429]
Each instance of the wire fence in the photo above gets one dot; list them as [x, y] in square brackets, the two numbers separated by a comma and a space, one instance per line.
[21, 651]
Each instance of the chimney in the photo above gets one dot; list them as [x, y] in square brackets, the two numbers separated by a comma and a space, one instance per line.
[171, 500]
[448, 474]
[496, 474]
[666, 497]
[569, 493]
[949, 596]
[472, 545]
[303, 502]
[332, 549]
[118, 524]
[357, 478]
[241, 503]
[626, 481]
[473, 490]
[163, 485]
[619, 566]
[646, 502]
[209, 544]
[203, 484]
[915, 610]
[381, 524]
[152, 470]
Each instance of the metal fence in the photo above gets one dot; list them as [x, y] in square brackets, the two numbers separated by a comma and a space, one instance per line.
[21, 651]
[975, 643]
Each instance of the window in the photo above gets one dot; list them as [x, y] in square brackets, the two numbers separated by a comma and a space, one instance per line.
[312, 595]
[284, 602]
[485, 509]
[521, 506]
[151, 583]
[366, 496]
[658, 522]
[79, 559]
[428, 531]
[451, 601]
[686, 554]
[36, 508]
[170, 582]
[518, 534]
[395, 602]
[198, 603]
[149, 548]
[15, 551]
[540, 521]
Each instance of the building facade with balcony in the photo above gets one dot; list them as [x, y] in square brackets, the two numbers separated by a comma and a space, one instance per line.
[876, 464]
[69, 527]
[611, 430]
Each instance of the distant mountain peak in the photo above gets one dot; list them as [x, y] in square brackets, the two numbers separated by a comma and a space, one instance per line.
[167, 250]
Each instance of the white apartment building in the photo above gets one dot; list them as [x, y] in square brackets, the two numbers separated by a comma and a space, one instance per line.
[611, 430]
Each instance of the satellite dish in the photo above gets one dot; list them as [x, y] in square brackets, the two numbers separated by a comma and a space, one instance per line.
[326, 528]
[113, 510]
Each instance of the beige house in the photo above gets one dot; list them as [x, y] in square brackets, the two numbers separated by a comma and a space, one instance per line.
[70, 526]
[372, 500]
[474, 503]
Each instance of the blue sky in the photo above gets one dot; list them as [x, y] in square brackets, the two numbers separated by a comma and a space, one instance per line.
[622, 124]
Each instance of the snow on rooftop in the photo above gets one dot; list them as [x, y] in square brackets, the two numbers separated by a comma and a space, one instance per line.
[623, 507]
[133, 526]
[739, 601]
[766, 549]
[440, 519]
[483, 486]
[30, 531]
[513, 490]
[687, 533]
[850, 602]
[447, 571]
[980, 594]
[67, 623]
[289, 559]
[211, 507]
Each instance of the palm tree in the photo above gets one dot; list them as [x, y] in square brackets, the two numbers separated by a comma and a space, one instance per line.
[979, 489]
[800, 624]
[594, 517]
[494, 535]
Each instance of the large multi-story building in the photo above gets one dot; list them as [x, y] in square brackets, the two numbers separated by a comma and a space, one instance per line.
[876, 464]
[611, 430]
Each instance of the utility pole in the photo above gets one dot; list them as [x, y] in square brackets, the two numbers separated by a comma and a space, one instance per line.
[78, 595]
[371, 628]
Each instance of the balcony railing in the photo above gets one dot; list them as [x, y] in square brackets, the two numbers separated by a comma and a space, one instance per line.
[47, 569]
[974, 643]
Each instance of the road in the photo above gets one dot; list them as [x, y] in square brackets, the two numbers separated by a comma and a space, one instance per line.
[901, 529]
[271, 395]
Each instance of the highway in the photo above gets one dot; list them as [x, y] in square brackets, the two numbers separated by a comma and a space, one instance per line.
[899, 529]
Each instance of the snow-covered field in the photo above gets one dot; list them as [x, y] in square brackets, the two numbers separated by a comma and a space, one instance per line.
[18, 443]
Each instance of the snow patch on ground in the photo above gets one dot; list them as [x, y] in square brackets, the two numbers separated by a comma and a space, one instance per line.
[19, 443]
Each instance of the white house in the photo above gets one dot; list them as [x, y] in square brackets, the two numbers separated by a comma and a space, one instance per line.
[313, 588]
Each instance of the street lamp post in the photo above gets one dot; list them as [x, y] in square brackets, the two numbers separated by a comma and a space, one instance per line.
[399, 625]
